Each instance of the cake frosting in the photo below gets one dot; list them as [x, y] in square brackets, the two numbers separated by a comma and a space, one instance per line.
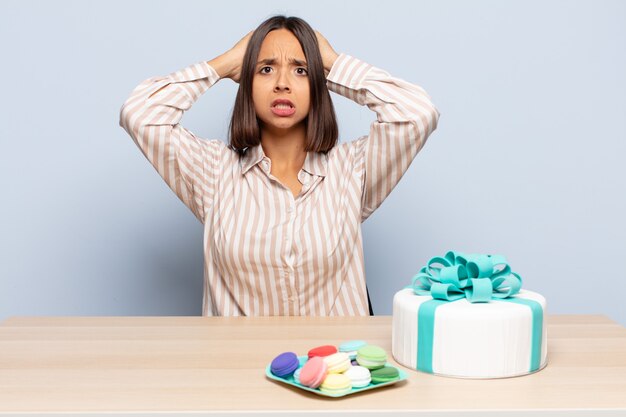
[466, 316]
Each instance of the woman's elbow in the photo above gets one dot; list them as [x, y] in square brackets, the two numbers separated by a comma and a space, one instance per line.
[433, 117]
[125, 116]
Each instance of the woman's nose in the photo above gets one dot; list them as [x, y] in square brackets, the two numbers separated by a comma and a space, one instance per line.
[281, 81]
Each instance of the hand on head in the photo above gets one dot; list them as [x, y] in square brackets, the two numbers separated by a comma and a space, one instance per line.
[236, 54]
[326, 51]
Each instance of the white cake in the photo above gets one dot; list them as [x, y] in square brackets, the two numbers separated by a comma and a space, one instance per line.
[499, 338]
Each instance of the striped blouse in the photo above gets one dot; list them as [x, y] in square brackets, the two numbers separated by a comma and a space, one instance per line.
[266, 251]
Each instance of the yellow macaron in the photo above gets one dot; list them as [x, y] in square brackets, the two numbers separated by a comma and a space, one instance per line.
[336, 384]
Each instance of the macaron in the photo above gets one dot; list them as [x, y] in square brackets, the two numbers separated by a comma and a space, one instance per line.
[336, 384]
[322, 351]
[296, 376]
[371, 357]
[303, 360]
[359, 376]
[337, 362]
[385, 374]
[284, 364]
[313, 372]
[351, 347]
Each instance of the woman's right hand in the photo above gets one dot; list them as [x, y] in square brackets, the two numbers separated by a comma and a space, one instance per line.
[228, 65]
[235, 57]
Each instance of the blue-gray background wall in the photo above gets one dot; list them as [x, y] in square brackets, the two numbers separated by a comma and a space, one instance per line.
[527, 160]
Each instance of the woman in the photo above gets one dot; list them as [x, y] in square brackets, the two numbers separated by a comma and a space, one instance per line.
[282, 203]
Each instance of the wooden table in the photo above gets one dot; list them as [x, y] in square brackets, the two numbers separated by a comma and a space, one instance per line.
[143, 366]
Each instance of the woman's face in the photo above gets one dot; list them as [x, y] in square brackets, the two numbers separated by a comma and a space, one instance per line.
[281, 73]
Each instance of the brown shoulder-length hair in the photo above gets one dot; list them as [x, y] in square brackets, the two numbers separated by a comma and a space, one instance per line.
[321, 123]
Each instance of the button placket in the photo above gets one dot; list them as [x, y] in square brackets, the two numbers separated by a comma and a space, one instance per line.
[288, 237]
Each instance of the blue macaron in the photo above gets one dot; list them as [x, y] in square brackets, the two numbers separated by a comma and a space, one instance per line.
[285, 364]
[351, 347]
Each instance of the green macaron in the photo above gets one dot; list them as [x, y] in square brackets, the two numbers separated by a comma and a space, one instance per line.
[385, 374]
[371, 357]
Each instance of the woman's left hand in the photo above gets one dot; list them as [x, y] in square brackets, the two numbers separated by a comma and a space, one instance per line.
[328, 53]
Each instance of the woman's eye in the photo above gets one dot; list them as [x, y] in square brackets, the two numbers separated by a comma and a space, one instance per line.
[305, 70]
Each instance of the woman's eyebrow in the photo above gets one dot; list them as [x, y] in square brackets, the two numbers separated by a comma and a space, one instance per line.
[272, 61]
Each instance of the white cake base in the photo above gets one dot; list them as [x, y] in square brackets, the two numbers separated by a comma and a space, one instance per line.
[470, 340]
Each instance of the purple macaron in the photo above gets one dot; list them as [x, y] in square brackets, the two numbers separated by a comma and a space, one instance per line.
[285, 364]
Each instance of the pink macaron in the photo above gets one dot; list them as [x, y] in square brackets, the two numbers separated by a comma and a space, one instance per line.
[313, 372]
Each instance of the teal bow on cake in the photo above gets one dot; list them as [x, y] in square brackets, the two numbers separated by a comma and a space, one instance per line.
[479, 278]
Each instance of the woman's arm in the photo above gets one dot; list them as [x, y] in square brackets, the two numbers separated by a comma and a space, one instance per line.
[405, 118]
[151, 116]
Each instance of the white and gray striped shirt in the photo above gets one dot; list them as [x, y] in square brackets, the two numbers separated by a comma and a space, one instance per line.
[266, 252]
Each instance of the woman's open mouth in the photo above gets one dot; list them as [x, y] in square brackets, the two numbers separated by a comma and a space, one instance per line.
[283, 107]
[283, 110]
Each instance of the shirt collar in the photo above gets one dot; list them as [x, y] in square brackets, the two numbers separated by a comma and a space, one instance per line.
[315, 162]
